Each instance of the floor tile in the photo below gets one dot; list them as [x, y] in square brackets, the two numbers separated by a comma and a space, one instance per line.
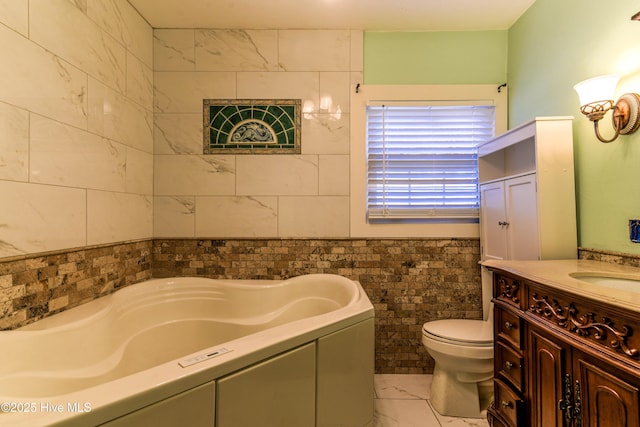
[403, 413]
[403, 401]
[445, 421]
[406, 386]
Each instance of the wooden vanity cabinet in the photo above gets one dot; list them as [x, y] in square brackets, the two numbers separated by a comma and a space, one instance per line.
[580, 358]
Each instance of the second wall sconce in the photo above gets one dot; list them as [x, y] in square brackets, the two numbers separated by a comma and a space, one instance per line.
[596, 99]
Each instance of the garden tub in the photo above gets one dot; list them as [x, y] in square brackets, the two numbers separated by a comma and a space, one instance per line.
[196, 351]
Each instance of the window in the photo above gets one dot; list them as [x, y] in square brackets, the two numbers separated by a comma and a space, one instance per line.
[444, 226]
[422, 159]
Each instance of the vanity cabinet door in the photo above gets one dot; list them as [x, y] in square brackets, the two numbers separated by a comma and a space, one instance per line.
[608, 398]
[549, 364]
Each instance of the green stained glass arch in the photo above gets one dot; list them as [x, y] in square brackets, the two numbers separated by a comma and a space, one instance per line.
[252, 126]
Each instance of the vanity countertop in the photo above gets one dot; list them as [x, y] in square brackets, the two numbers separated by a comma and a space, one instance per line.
[560, 275]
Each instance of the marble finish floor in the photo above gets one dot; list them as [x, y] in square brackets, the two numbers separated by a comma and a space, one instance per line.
[403, 401]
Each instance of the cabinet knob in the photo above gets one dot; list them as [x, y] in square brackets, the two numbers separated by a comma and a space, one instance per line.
[503, 223]
[508, 365]
[509, 325]
[506, 404]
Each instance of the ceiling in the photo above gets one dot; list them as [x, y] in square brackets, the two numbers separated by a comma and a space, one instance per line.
[380, 15]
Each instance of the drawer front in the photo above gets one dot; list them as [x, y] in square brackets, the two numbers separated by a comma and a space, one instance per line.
[509, 364]
[495, 421]
[508, 404]
[508, 326]
[508, 289]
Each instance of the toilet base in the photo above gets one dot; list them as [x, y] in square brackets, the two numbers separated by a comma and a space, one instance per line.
[453, 398]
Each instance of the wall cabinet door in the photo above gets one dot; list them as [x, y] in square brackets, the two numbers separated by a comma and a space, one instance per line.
[522, 218]
[509, 219]
[493, 213]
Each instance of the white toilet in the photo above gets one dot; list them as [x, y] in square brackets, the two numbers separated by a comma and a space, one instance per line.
[463, 353]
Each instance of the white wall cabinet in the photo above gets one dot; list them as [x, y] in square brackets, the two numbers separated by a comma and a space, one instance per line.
[527, 192]
[510, 221]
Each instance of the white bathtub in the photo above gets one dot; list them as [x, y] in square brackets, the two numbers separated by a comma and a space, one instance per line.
[202, 351]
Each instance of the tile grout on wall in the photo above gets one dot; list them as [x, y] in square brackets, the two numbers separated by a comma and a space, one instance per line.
[409, 281]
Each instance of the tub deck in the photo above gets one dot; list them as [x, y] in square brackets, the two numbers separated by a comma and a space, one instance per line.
[156, 339]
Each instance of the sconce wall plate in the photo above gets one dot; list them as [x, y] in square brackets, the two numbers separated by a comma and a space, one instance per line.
[628, 108]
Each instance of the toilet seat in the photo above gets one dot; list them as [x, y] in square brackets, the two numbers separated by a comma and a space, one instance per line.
[477, 333]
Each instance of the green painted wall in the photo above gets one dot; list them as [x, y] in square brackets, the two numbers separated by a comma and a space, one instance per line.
[554, 45]
[473, 57]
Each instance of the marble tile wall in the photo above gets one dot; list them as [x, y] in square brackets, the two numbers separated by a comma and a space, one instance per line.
[253, 196]
[409, 281]
[76, 125]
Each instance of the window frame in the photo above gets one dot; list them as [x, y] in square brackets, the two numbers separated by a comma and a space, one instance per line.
[368, 94]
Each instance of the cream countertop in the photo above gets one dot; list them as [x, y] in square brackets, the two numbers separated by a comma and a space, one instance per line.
[557, 274]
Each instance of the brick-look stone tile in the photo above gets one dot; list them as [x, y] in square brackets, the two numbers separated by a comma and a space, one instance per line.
[409, 281]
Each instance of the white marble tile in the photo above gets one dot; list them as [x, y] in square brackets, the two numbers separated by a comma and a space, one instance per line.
[259, 85]
[325, 134]
[357, 50]
[179, 175]
[114, 217]
[14, 143]
[68, 156]
[174, 216]
[174, 50]
[87, 47]
[236, 50]
[334, 87]
[15, 14]
[268, 175]
[403, 413]
[308, 217]
[139, 172]
[462, 422]
[38, 218]
[178, 133]
[139, 82]
[183, 92]
[334, 175]
[405, 386]
[38, 81]
[122, 22]
[314, 50]
[80, 4]
[227, 217]
[114, 116]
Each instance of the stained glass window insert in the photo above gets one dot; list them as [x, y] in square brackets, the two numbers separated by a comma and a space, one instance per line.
[251, 126]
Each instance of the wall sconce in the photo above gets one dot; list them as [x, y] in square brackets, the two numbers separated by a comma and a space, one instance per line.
[596, 98]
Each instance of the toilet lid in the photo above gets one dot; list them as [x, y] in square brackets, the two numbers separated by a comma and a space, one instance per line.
[476, 332]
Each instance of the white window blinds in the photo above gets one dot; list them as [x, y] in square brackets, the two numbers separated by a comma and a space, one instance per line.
[422, 160]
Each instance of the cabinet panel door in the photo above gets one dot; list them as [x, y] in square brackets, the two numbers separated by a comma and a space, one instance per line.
[522, 214]
[278, 392]
[607, 399]
[492, 215]
[548, 361]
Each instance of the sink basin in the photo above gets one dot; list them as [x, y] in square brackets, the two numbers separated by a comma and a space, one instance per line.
[608, 281]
